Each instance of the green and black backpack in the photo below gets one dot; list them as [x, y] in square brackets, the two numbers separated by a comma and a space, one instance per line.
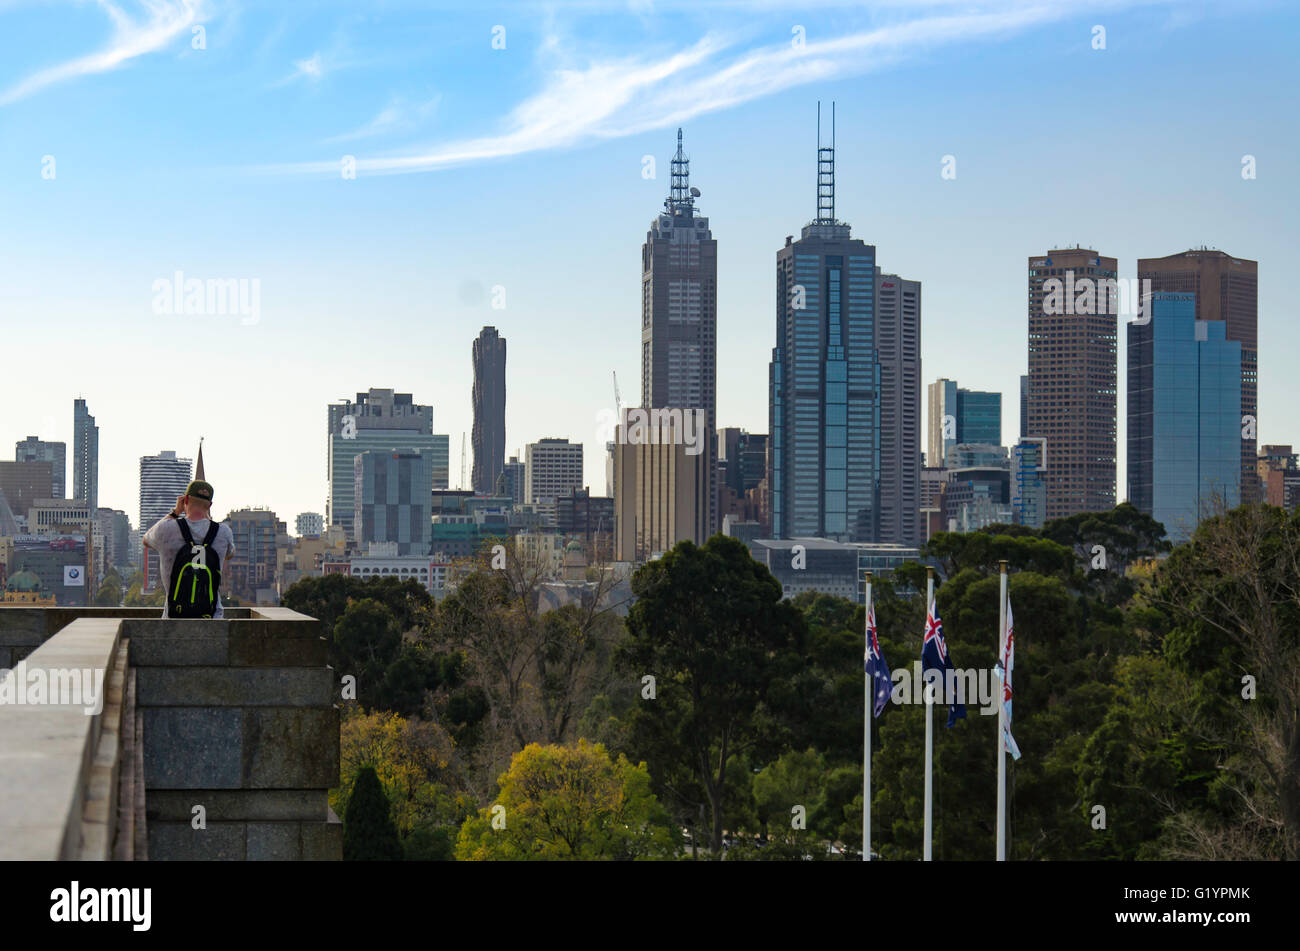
[196, 576]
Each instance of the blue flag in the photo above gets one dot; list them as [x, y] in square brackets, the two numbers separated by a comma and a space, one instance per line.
[875, 664]
[934, 656]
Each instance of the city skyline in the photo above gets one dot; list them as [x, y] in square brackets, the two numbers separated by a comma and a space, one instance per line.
[364, 321]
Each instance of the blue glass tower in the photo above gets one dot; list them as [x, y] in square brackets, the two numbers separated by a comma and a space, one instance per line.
[824, 380]
[1184, 415]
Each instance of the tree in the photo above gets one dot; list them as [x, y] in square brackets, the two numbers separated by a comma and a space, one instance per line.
[1233, 594]
[368, 831]
[711, 627]
[559, 802]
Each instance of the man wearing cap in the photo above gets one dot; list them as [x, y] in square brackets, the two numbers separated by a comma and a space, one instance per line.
[165, 536]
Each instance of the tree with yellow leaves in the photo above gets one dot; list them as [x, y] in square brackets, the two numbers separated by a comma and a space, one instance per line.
[570, 802]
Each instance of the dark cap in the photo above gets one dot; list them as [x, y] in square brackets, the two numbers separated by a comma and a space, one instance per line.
[199, 490]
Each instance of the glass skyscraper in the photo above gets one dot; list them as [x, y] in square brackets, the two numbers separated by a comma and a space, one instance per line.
[1184, 414]
[824, 380]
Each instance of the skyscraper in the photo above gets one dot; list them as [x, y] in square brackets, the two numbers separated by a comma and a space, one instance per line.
[1073, 377]
[1226, 289]
[1184, 415]
[380, 419]
[32, 449]
[679, 313]
[489, 355]
[899, 346]
[823, 411]
[162, 478]
[85, 456]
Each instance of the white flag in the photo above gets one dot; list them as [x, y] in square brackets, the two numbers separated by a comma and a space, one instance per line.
[74, 576]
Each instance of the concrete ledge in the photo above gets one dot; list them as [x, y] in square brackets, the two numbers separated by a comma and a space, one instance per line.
[48, 753]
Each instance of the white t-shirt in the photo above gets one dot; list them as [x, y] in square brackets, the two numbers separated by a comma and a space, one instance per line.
[166, 539]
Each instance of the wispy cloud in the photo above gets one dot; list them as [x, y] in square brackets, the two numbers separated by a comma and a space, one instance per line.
[158, 24]
[397, 116]
[625, 96]
[309, 67]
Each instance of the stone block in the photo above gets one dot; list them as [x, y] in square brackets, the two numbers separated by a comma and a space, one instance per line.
[258, 643]
[323, 841]
[234, 686]
[178, 841]
[290, 748]
[192, 748]
[273, 842]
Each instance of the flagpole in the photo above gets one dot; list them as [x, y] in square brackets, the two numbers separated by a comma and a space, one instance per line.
[1002, 717]
[867, 696]
[929, 727]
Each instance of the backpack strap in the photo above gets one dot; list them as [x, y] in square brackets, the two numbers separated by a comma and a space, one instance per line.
[212, 533]
[185, 531]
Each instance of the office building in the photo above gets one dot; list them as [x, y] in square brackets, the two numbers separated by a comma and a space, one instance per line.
[1279, 475]
[824, 379]
[679, 312]
[1028, 482]
[552, 468]
[956, 415]
[489, 438]
[382, 420]
[85, 455]
[1073, 308]
[661, 492]
[163, 478]
[1184, 415]
[24, 482]
[591, 520]
[393, 495]
[828, 567]
[1226, 289]
[510, 483]
[250, 574]
[898, 329]
[32, 449]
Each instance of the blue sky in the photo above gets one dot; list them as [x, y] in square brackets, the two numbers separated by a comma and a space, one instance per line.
[218, 153]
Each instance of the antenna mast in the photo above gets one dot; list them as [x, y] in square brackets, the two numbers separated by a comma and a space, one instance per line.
[679, 194]
[825, 171]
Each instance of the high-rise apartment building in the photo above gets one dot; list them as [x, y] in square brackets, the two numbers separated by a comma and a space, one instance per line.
[309, 524]
[1073, 317]
[679, 312]
[489, 438]
[1184, 415]
[552, 468]
[824, 380]
[1226, 289]
[898, 330]
[24, 482]
[32, 449]
[85, 455]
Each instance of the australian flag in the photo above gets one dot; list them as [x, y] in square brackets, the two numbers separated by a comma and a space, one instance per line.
[934, 656]
[877, 669]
